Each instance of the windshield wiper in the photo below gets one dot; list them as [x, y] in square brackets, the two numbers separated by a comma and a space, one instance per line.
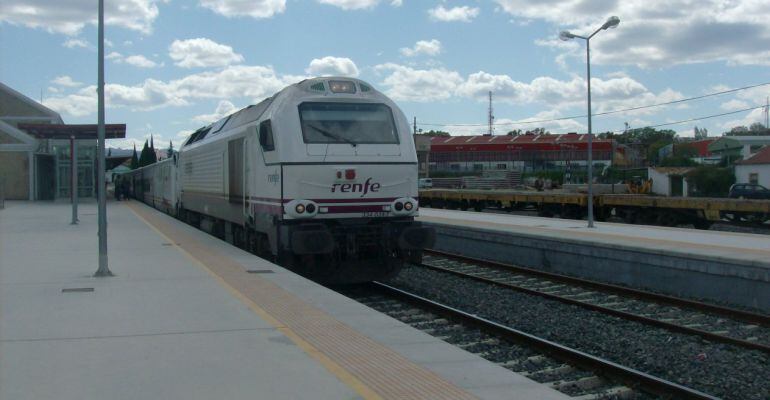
[333, 135]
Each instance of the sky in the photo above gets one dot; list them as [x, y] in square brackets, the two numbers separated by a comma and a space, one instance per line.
[173, 66]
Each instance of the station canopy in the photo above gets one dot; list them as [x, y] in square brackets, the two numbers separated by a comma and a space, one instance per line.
[79, 132]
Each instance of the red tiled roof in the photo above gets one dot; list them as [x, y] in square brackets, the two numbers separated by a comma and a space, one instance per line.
[760, 157]
[504, 139]
[570, 141]
[701, 146]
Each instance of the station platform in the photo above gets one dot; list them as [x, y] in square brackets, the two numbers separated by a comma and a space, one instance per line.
[722, 266]
[187, 316]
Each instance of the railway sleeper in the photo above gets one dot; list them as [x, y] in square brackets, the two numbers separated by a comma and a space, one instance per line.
[615, 392]
[585, 384]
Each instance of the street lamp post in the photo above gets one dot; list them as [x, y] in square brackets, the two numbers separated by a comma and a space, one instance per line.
[612, 22]
[101, 194]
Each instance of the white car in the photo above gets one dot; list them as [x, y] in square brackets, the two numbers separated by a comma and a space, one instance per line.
[425, 183]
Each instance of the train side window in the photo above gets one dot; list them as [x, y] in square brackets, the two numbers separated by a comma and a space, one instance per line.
[266, 136]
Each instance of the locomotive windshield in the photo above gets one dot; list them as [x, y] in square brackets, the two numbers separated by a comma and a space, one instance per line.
[352, 123]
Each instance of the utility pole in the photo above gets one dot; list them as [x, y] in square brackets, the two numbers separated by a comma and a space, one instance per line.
[491, 116]
[74, 179]
[104, 269]
[415, 125]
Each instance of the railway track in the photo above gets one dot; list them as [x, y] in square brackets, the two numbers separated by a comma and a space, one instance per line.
[711, 322]
[567, 370]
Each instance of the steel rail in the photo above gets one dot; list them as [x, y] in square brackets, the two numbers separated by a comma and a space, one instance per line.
[629, 376]
[606, 310]
[732, 313]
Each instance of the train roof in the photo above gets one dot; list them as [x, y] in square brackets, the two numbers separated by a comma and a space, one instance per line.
[320, 85]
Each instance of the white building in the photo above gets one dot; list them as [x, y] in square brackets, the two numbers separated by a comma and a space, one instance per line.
[669, 181]
[755, 169]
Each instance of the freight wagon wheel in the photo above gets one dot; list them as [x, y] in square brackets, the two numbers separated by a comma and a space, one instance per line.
[702, 224]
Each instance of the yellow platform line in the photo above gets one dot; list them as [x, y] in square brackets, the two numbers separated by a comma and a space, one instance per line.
[341, 373]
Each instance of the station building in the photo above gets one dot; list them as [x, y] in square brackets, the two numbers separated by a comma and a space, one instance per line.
[522, 152]
[755, 169]
[738, 147]
[36, 150]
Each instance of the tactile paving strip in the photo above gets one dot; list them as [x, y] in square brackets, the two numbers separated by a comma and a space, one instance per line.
[384, 371]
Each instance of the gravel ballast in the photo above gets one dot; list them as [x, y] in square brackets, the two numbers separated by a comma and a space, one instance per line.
[721, 370]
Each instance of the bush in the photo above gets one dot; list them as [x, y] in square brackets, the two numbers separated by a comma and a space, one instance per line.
[710, 181]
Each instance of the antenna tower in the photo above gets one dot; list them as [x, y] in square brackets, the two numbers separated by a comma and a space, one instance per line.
[491, 116]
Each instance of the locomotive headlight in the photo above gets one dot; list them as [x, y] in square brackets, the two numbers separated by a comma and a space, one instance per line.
[404, 206]
[301, 209]
[342, 87]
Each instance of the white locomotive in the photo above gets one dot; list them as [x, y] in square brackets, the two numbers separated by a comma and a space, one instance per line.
[322, 176]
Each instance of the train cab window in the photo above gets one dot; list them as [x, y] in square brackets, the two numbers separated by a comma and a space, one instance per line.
[352, 123]
[266, 136]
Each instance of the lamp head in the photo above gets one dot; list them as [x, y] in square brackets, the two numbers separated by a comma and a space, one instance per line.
[612, 22]
[564, 35]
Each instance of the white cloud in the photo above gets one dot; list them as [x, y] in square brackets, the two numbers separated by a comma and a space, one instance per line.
[358, 4]
[461, 14]
[427, 47]
[70, 16]
[505, 125]
[135, 60]
[351, 4]
[246, 8]
[253, 82]
[755, 115]
[140, 61]
[560, 126]
[332, 66]
[734, 105]
[609, 94]
[202, 52]
[224, 108]
[65, 80]
[184, 133]
[77, 104]
[72, 43]
[406, 83]
[658, 34]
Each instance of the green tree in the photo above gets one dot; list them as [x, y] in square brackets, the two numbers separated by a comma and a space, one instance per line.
[436, 133]
[710, 181]
[653, 151]
[538, 131]
[134, 159]
[515, 132]
[170, 150]
[153, 154]
[678, 160]
[646, 136]
[144, 156]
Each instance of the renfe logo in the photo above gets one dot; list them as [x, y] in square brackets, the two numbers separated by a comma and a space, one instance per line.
[362, 188]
